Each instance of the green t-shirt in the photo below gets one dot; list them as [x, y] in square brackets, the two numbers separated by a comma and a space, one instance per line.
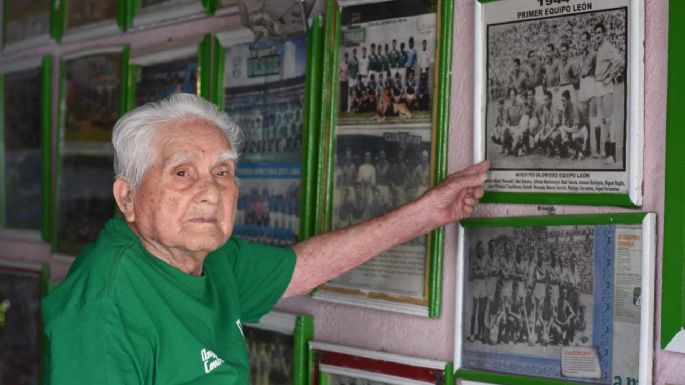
[123, 316]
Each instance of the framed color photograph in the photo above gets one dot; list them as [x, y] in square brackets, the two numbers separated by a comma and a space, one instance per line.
[22, 286]
[25, 138]
[25, 24]
[278, 348]
[559, 100]
[556, 299]
[75, 20]
[92, 100]
[269, 94]
[344, 365]
[149, 13]
[384, 140]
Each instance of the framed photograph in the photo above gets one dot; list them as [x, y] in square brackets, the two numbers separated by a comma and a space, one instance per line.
[278, 348]
[559, 100]
[268, 93]
[25, 135]
[556, 299]
[25, 24]
[344, 365]
[672, 273]
[75, 20]
[22, 285]
[91, 101]
[149, 13]
[384, 140]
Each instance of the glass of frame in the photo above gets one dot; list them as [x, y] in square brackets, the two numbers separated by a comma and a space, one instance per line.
[91, 101]
[559, 111]
[278, 348]
[25, 24]
[148, 13]
[672, 272]
[269, 94]
[556, 299]
[25, 120]
[384, 140]
[75, 20]
[22, 285]
[344, 365]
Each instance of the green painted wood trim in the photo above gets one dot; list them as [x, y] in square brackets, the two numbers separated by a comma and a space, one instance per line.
[218, 75]
[209, 62]
[46, 145]
[124, 96]
[450, 378]
[324, 378]
[58, 19]
[123, 17]
[2, 151]
[620, 200]
[61, 112]
[673, 268]
[210, 6]
[304, 332]
[556, 220]
[311, 129]
[441, 131]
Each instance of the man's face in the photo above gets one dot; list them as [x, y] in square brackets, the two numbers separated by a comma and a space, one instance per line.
[564, 101]
[563, 52]
[548, 101]
[599, 35]
[186, 202]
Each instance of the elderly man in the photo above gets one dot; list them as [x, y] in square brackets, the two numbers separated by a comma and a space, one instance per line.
[159, 298]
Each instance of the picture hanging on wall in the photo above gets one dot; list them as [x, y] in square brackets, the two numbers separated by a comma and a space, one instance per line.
[277, 348]
[269, 94]
[25, 134]
[77, 20]
[22, 286]
[556, 299]
[559, 100]
[25, 24]
[344, 365]
[92, 99]
[151, 13]
[384, 141]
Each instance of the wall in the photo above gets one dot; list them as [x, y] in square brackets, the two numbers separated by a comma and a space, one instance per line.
[432, 338]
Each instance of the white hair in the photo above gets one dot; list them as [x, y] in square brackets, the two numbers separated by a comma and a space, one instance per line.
[134, 134]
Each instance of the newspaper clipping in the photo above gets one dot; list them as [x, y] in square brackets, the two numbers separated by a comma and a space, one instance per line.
[553, 96]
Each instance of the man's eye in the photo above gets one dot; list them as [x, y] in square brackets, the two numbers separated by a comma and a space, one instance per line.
[181, 173]
[223, 173]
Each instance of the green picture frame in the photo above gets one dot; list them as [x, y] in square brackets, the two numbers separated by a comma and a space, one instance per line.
[287, 337]
[107, 17]
[511, 328]
[590, 155]
[417, 136]
[27, 218]
[92, 96]
[332, 364]
[673, 265]
[280, 153]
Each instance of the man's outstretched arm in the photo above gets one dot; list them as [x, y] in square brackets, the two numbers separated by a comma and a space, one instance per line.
[328, 255]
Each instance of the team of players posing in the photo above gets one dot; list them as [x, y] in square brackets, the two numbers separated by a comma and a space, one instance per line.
[566, 128]
[524, 301]
[385, 82]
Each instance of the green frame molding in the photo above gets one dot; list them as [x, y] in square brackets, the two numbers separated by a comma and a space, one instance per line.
[440, 119]
[547, 220]
[210, 70]
[673, 268]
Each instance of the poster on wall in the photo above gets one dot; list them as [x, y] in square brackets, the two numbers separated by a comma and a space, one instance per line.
[22, 286]
[264, 94]
[559, 110]
[382, 146]
[566, 298]
[26, 23]
[77, 20]
[92, 103]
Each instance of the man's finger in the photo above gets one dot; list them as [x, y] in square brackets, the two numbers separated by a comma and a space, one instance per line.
[473, 169]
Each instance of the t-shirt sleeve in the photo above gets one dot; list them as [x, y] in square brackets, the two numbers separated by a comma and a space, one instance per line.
[85, 347]
[262, 274]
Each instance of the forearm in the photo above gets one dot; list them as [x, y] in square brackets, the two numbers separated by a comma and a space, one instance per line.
[328, 255]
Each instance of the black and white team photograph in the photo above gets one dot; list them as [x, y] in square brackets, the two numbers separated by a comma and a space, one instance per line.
[555, 94]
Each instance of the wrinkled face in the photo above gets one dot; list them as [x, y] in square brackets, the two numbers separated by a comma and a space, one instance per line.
[188, 196]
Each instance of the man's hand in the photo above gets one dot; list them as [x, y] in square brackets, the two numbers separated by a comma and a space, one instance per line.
[328, 255]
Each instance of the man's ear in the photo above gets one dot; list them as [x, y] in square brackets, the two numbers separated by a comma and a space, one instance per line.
[124, 197]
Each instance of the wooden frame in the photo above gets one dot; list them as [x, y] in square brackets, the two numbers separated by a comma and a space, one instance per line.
[417, 137]
[30, 28]
[288, 333]
[673, 268]
[596, 329]
[22, 286]
[585, 146]
[332, 364]
[267, 80]
[28, 216]
[84, 151]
